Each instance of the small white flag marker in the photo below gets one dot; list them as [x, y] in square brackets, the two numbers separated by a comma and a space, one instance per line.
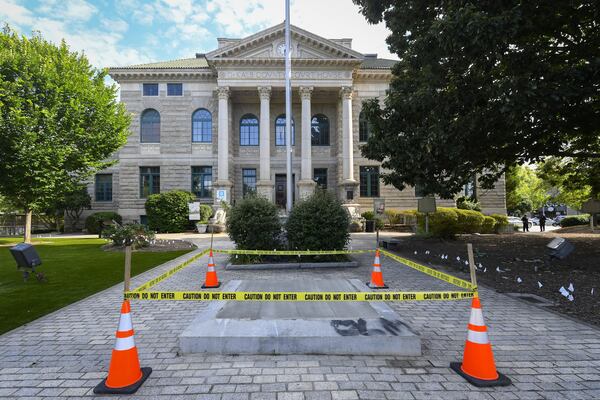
[540, 284]
[457, 258]
[415, 252]
[485, 270]
[466, 262]
[571, 288]
[592, 292]
[570, 297]
[519, 280]
[563, 291]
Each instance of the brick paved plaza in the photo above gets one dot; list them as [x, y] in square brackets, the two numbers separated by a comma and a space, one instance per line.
[67, 353]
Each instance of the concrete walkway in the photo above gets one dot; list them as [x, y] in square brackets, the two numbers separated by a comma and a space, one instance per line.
[67, 353]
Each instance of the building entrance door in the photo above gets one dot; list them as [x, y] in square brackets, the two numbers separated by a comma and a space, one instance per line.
[280, 189]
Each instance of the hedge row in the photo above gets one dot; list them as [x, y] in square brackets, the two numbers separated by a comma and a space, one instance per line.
[447, 222]
[581, 219]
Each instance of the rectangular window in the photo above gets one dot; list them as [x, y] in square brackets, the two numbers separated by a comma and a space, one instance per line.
[248, 181]
[202, 182]
[419, 192]
[150, 89]
[174, 89]
[320, 176]
[144, 220]
[103, 187]
[369, 181]
[149, 181]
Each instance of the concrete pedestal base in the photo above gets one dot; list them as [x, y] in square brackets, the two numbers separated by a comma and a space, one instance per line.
[306, 188]
[357, 328]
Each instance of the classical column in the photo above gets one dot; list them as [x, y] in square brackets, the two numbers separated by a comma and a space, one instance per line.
[306, 185]
[348, 182]
[223, 182]
[264, 184]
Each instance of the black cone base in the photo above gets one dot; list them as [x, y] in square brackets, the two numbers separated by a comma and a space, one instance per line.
[502, 380]
[376, 287]
[103, 389]
[211, 287]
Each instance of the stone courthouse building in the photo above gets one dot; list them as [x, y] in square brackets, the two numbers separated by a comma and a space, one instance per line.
[215, 125]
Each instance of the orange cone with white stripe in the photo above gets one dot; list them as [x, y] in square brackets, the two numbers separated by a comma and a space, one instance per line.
[376, 275]
[478, 365]
[124, 373]
[211, 280]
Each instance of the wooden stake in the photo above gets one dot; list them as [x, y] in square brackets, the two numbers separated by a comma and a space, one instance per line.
[127, 268]
[472, 266]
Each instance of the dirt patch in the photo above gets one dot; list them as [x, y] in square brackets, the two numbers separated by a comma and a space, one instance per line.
[157, 245]
[523, 261]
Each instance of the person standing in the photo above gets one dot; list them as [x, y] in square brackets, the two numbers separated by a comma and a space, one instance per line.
[543, 223]
[525, 223]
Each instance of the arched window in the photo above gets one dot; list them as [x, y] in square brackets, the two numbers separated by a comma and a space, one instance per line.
[150, 132]
[201, 126]
[280, 130]
[249, 130]
[319, 130]
[363, 128]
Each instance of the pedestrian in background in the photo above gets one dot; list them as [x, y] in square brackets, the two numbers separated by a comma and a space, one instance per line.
[543, 223]
[525, 223]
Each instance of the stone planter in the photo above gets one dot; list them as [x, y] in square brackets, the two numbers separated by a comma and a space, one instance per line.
[201, 227]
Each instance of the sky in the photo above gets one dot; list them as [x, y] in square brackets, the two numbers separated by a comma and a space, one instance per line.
[126, 32]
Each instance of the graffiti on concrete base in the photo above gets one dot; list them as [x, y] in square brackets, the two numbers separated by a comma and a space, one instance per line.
[360, 327]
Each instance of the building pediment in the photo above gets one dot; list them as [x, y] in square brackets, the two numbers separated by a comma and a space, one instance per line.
[269, 45]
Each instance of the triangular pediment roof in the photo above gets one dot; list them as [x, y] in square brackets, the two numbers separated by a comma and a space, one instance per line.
[259, 45]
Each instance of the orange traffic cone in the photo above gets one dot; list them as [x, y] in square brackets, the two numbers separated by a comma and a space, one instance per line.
[376, 275]
[211, 280]
[478, 365]
[124, 373]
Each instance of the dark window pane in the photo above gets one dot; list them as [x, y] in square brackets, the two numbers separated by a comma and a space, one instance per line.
[363, 128]
[150, 126]
[174, 89]
[280, 131]
[369, 181]
[103, 187]
[202, 126]
[202, 181]
[249, 130]
[419, 192]
[150, 89]
[248, 181]
[320, 176]
[319, 130]
[149, 181]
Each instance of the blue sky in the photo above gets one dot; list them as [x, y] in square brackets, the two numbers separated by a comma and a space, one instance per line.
[126, 32]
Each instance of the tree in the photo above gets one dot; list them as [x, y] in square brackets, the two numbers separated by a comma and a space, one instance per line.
[575, 180]
[59, 122]
[483, 86]
[525, 191]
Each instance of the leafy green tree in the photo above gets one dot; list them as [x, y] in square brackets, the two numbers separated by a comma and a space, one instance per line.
[574, 181]
[481, 86]
[525, 191]
[59, 122]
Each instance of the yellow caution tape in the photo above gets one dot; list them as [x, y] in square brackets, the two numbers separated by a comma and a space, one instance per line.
[292, 252]
[430, 271]
[171, 272]
[300, 296]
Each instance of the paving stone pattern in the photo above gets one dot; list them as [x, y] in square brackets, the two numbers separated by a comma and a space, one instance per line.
[66, 353]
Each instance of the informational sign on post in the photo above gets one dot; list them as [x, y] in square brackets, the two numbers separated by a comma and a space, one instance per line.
[426, 205]
[221, 195]
[591, 207]
[194, 211]
[378, 206]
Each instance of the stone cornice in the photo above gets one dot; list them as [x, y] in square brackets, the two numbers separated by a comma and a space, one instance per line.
[221, 62]
[119, 74]
[384, 74]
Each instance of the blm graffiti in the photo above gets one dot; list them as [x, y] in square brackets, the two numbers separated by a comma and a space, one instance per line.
[360, 327]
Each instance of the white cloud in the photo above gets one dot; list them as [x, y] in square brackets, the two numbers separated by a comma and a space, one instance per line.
[117, 25]
[15, 14]
[77, 9]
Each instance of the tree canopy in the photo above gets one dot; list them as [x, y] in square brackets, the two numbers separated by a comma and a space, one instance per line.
[59, 122]
[482, 86]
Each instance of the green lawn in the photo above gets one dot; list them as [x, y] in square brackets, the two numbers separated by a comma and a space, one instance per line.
[75, 268]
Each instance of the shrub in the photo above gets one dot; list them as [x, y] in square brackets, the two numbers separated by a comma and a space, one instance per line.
[92, 222]
[469, 221]
[501, 221]
[394, 217]
[368, 215]
[488, 225]
[205, 213]
[136, 234]
[466, 203]
[442, 223]
[253, 224]
[168, 211]
[318, 223]
[581, 219]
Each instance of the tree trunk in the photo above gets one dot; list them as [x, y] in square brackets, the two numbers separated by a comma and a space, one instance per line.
[27, 238]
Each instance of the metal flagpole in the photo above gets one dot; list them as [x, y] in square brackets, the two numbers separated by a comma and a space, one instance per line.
[288, 108]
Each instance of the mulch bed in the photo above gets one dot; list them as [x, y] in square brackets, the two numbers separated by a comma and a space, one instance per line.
[523, 256]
